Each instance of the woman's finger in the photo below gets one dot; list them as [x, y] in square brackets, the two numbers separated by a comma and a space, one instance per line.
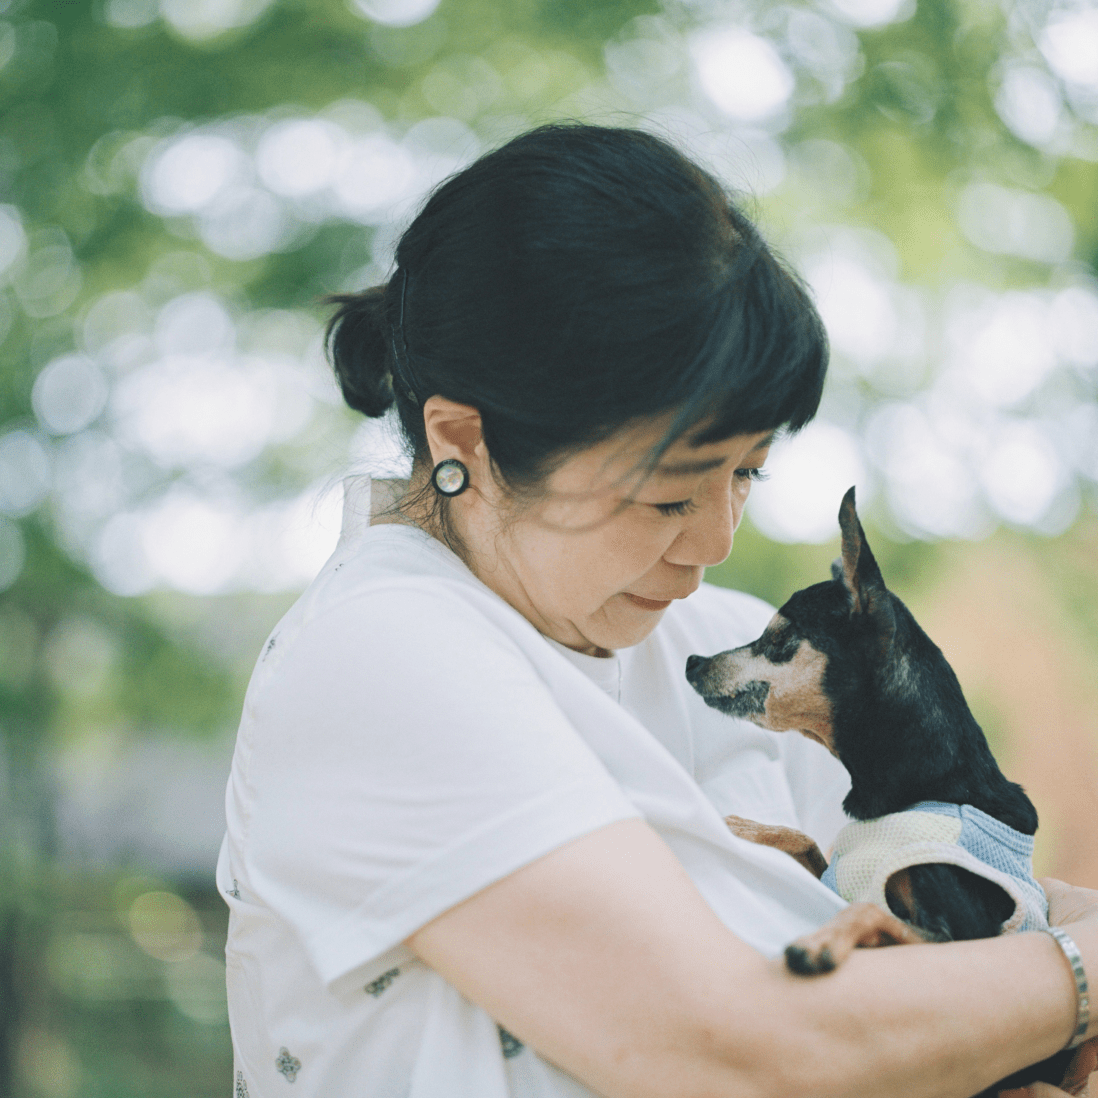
[1084, 1064]
[1037, 1090]
[1066, 903]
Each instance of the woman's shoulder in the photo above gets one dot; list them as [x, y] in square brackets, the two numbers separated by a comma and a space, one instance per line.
[394, 593]
[389, 564]
[717, 618]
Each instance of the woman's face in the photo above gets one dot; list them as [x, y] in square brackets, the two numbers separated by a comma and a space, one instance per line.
[595, 563]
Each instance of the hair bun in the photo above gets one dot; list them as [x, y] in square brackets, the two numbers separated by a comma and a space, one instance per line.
[359, 345]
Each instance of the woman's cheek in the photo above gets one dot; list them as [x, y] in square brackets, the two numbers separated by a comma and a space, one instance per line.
[739, 502]
[642, 550]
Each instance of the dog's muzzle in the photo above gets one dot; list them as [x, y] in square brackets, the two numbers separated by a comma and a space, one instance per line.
[709, 677]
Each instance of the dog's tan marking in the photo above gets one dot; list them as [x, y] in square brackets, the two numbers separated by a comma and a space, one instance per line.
[796, 701]
[774, 628]
[788, 839]
[900, 895]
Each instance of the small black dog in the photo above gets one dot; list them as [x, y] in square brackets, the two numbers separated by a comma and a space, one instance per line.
[845, 663]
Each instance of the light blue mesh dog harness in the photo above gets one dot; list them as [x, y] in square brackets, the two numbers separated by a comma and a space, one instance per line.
[868, 852]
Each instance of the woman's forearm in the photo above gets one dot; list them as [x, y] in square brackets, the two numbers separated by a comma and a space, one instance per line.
[934, 1021]
[604, 958]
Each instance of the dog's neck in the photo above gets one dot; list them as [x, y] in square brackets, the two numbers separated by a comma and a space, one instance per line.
[906, 734]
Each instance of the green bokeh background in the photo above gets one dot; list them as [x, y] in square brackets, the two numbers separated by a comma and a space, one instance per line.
[86, 91]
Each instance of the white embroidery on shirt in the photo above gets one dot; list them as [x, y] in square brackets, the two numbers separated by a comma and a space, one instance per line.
[510, 1044]
[241, 1086]
[287, 1065]
[376, 987]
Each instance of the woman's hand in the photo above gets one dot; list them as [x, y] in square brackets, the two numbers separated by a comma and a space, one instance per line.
[1067, 904]
[1076, 1082]
[1072, 904]
[1082, 1067]
[1041, 1090]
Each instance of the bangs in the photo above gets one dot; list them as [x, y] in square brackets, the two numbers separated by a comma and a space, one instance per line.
[763, 363]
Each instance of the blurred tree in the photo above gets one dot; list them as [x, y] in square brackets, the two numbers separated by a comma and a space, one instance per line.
[166, 234]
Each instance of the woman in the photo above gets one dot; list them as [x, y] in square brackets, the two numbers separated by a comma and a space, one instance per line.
[475, 840]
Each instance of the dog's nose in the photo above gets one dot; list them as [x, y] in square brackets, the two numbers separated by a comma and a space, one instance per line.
[692, 664]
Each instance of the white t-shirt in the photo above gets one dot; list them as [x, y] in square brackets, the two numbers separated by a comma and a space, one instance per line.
[407, 739]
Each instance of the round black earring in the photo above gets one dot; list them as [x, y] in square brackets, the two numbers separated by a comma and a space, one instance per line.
[450, 477]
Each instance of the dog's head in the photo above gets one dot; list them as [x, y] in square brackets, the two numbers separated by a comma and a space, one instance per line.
[786, 679]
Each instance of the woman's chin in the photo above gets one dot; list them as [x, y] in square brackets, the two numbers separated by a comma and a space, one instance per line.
[625, 624]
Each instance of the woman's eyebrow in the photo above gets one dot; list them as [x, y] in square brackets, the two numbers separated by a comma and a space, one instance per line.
[688, 468]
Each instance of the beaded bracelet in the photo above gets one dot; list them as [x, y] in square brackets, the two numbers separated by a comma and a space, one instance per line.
[1082, 991]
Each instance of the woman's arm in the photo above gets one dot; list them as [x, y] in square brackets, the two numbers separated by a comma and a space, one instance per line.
[605, 958]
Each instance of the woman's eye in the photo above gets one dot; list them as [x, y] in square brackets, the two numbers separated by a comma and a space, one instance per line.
[752, 474]
[682, 507]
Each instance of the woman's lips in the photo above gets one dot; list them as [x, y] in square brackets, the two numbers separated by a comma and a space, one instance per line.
[649, 604]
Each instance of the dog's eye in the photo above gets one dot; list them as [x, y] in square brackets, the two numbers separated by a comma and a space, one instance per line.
[777, 646]
[682, 507]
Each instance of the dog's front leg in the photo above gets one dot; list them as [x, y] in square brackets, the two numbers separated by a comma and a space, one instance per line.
[860, 926]
[788, 839]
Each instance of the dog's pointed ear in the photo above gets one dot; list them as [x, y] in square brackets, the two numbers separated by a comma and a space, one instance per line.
[858, 570]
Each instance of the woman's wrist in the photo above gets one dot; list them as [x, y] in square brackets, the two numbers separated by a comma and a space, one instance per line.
[1074, 958]
[1083, 936]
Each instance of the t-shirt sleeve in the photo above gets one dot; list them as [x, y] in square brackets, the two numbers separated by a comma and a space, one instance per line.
[404, 755]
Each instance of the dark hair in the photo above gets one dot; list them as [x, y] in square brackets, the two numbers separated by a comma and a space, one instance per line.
[568, 283]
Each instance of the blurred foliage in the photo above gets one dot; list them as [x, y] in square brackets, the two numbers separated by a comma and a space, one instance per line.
[87, 90]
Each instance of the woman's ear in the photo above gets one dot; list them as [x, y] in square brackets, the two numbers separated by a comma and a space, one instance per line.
[455, 431]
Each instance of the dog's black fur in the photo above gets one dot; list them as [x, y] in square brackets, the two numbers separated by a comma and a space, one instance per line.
[904, 731]
[900, 725]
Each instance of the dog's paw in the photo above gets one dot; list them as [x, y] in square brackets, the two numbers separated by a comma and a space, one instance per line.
[859, 926]
[796, 844]
[803, 963]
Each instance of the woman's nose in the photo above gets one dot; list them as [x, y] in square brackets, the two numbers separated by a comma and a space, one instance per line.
[707, 539]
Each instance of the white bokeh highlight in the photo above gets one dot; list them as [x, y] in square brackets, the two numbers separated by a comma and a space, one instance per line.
[1029, 102]
[378, 449]
[1003, 350]
[300, 156]
[873, 13]
[395, 13]
[931, 489]
[741, 73]
[1074, 325]
[131, 13]
[68, 394]
[13, 239]
[187, 174]
[1013, 222]
[1022, 473]
[200, 20]
[808, 476]
[206, 545]
[857, 306]
[25, 472]
[196, 323]
[376, 175]
[185, 410]
[1069, 42]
